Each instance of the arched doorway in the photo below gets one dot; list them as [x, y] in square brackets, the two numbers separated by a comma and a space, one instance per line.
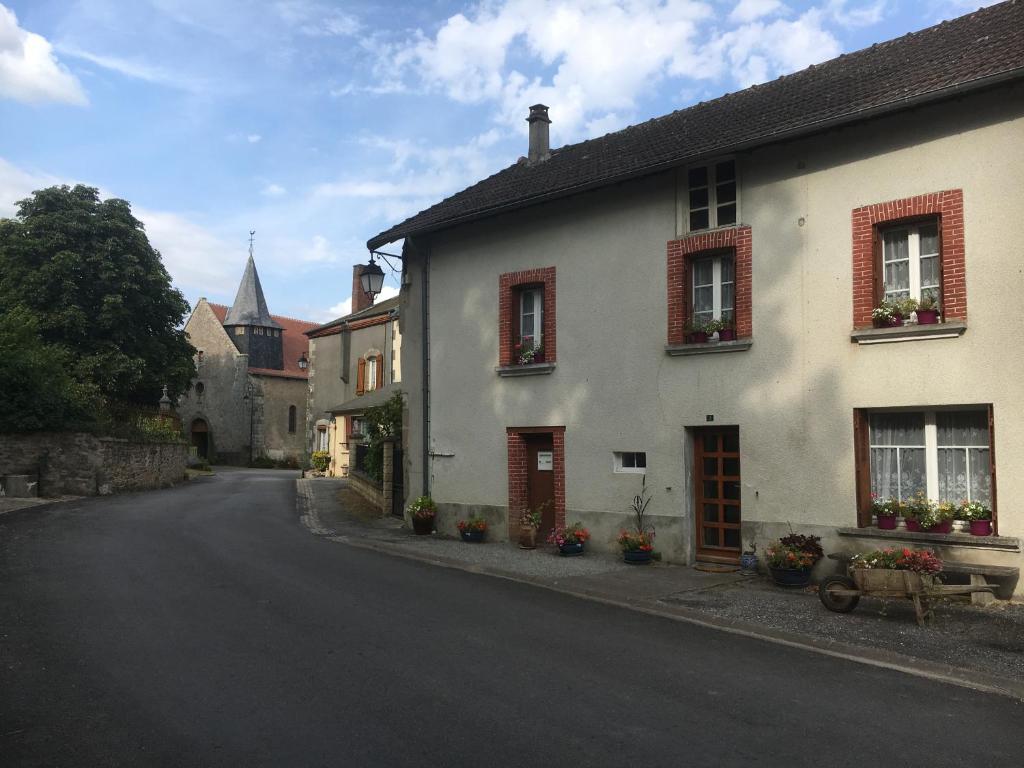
[201, 437]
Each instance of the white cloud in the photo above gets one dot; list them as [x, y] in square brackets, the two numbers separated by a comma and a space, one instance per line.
[752, 10]
[17, 184]
[273, 190]
[29, 71]
[316, 19]
[254, 138]
[857, 16]
[343, 308]
[137, 69]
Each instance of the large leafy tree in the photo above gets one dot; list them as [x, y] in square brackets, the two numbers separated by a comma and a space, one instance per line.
[84, 271]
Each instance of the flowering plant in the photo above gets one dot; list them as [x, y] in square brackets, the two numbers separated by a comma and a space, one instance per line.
[423, 508]
[887, 508]
[886, 312]
[973, 510]
[531, 518]
[526, 352]
[790, 557]
[473, 524]
[905, 559]
[928, 513]
[810, 545]
[636, 541]
[573, 534]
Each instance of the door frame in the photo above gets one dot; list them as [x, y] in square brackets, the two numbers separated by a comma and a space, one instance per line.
[695, 452]
[518, 492]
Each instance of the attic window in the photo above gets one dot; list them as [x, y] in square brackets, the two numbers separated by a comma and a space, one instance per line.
[711, 196]
[239, 330]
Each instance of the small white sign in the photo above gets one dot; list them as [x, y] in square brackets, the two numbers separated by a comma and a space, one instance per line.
[545, 460]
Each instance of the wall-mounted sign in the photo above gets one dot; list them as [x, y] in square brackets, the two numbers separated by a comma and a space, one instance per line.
[545, 460]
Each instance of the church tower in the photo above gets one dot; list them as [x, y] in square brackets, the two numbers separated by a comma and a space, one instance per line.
[250, 325]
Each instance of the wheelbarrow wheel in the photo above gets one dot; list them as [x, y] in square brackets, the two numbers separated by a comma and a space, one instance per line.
[833, 601]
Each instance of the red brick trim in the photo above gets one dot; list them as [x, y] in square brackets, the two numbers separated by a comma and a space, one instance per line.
[507, 284]
[740, 240]
[518, 495]
[949, 207]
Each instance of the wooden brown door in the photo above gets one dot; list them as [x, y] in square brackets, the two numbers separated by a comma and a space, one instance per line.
[717, 494]
[540, 479]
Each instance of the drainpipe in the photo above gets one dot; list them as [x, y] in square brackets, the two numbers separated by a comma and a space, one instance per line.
[425, 324]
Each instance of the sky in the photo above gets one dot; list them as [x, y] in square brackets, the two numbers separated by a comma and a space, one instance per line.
[319, 124]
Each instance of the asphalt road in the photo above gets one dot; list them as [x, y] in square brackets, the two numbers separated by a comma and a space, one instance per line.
[203, 625]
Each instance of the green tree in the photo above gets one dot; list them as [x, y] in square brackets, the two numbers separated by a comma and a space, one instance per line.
[38, 389]
[382, 422]
[83, 269]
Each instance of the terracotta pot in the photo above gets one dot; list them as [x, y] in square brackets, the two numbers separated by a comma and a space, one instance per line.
[527, 537]
[887, 522]
[912, 524]
[727, 334]
[981, 527]
[927, 316]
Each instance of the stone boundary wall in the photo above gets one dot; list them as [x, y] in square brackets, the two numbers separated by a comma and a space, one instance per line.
[80, 464]
[367, 489]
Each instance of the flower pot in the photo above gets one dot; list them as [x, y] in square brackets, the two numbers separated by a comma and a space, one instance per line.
[748, 563]
[637, 556]
[981, 527]
[927, 316]
[698, 337]
[473, 537]
[912, 524]
[571, 549]
[727, 334]
[527, 537]
[423, 526]
[887, 522]
[791, 577]
[945, 526]
[539, 357]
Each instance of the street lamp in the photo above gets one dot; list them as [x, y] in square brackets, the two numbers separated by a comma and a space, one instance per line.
[303, 362]
[251, 399]
[372, 279]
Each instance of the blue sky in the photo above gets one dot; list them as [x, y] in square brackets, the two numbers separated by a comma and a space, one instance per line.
[321, 123]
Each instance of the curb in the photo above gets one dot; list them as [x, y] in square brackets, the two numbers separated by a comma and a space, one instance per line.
[943, 673]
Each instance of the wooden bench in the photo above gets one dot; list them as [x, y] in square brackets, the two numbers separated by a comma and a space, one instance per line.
[1003, 577]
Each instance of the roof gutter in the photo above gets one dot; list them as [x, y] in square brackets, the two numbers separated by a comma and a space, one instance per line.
[928, 97]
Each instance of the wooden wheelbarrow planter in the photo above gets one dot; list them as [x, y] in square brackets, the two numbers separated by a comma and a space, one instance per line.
[842, 593]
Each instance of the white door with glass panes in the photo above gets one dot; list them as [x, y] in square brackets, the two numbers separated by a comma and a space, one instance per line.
[910, 258]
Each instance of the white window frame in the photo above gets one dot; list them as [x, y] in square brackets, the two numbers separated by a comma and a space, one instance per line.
[914, 260]
[537, 314]
[931, 453]
[370, 374]
[619, 465]
[322, 441]
[683, 196]
[716, 284]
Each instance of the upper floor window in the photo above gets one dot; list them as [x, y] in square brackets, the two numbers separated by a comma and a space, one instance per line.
[526, 319]
[321, 438]
[910, 261]
[711, 196]
[291, 419]
[239, 330]
[371, 373]
[531, 315]
[714, 287]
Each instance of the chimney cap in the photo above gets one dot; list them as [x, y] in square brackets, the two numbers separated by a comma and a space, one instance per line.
[538, 112]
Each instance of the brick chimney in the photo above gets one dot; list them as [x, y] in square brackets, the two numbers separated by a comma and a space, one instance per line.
[540, 146]
[360, 300]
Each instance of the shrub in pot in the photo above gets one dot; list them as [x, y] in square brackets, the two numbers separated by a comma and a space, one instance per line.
[638, 544]
[320, 460]
[695, 332]
[885, 512]
[423, 512]
[928, 309]
[727, 331]
[529, 523]
[886, 315]
[978, 516]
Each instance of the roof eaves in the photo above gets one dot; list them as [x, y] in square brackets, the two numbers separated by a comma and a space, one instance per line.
[818, 126]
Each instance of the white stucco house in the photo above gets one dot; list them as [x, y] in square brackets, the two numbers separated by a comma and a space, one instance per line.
[789, 210]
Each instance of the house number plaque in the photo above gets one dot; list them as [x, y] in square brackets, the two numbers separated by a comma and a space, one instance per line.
[545, 460]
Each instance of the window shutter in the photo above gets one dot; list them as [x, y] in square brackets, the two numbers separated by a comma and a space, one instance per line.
[361, 377]
[992, 464]
[862, 468]
[380, 371]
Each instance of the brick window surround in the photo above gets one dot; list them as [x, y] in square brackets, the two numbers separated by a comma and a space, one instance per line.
[680, 254]
[518, 496]
[508, 311]
[948, 207]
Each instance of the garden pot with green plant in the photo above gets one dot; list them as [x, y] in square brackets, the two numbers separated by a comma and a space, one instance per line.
[885, 512]
[529, 523]
[320, 460]
[727, 331]
[423, 512]
[924, 515]
[791, 559]
[927, 309]
[696, 332]
[569, 540]
[978, 517]
[637, 544]
[473, 530]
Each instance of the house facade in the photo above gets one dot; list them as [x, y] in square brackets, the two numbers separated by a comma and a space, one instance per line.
[355, 364]
[548, 312]
[248, 400]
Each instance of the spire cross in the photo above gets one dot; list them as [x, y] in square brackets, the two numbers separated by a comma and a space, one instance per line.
[252, 236]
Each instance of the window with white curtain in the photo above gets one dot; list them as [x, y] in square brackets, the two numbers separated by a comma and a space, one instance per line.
[910, 261]
[714, 288]
[531, 316]
[945, 454]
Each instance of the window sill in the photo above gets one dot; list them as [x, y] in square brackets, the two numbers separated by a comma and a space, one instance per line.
[532, 369]
[949, 330]
[708, 348]
[1005, 543]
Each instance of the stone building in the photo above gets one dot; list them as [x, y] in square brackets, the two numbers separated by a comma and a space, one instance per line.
[354, 365]
[249, 396]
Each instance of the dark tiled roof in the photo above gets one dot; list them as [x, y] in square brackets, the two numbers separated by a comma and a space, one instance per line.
[382, 308]
[971, 51]
[250, 307]
[293, 342]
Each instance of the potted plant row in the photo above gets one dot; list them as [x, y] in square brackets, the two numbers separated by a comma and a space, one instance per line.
[526, 352]
[569, 540]
[701, 332]
[473, 529]
[791, 559]
[423, 512]
[894, 313]
[923, 515]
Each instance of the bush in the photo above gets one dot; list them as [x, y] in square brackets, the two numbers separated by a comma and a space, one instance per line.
[287, 463]
[321, 460]
[262, 462]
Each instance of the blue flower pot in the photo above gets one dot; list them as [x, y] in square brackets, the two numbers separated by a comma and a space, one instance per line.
[571, 550]
[637, 557]
[791, 577]
[474, 537]
[748, 563]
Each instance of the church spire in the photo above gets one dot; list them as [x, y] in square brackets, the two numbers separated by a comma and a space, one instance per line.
[250, 307]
